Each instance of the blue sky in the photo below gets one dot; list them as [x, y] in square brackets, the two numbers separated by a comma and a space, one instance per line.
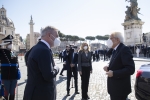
[73, 17]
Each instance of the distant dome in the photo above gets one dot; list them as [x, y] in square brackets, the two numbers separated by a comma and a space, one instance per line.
[7, 22]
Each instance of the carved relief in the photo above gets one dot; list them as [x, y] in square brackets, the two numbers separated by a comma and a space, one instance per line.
[128, 35]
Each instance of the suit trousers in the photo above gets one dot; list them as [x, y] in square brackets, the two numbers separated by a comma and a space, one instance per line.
[69, 75]
[118, 97]
[85, 81]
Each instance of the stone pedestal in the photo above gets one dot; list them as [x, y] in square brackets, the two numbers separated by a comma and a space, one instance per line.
[133, 32]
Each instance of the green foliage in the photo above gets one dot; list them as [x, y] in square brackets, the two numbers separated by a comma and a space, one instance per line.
[90, 38]
[81, 39]
[99, 37]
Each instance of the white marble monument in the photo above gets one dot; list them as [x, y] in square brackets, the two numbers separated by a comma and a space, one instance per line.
[133, 32]
[132, 24]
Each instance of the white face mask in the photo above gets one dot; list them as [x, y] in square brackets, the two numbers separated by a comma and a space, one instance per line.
[109, 43]
[85, 47]
[56, 41]
[9, 46]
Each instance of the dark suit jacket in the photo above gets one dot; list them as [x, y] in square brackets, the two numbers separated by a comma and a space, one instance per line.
[84, 60]
[75, 60]
[41, 74]
[123, 67]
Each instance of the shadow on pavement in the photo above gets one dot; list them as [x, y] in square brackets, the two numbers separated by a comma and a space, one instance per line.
[21, 83]
[65, 97]
[72, 97]
[61, 79]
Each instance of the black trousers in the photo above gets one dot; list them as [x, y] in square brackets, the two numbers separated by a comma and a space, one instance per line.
[61, 58]
[69, 75]
[85, 81]
[94, 58]
[118, 97]
[97, 57]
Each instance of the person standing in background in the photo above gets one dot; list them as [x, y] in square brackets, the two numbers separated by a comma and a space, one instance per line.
[84, 68]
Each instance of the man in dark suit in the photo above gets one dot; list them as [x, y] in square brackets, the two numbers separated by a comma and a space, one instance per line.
[64, 54]
[120, 68]
[41, 68]
[71, 59]
[97, 54]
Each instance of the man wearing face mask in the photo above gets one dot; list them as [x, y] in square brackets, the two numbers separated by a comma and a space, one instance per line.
[71, 62]
[9, 68]
[41, 82]
[120, 68]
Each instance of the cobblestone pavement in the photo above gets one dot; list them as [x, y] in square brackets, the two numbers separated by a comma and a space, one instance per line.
[97, 85]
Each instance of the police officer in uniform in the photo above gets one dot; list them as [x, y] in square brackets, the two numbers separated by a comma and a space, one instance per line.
[9, 68]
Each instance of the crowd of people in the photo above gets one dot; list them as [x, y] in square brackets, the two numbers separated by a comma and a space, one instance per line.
[42, 70]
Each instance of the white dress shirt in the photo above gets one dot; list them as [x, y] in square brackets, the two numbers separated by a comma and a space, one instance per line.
[46, 43]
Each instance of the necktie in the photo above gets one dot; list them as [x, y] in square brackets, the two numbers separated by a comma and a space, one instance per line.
[72, 57]
[52, 57]
[113, 53]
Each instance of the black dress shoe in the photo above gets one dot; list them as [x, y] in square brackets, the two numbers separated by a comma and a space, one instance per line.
[84, 99]
[76, 92]
[61, 74]
[88, 97]
[68, 93]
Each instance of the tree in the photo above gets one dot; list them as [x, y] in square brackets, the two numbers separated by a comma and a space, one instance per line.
[81, 39]
[90, 38]
[98, 37]
[74, 38]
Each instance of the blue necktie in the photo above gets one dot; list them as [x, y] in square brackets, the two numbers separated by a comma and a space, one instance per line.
[113, 53]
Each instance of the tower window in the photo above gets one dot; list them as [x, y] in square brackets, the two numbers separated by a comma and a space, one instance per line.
[0, 29]
[5, 31]
[12, 32]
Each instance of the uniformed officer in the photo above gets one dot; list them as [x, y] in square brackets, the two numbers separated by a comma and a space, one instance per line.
[9, 68]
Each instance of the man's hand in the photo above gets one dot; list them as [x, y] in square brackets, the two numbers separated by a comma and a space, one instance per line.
[80, 72]
[106, 68]
[109, 73]
[57, 69]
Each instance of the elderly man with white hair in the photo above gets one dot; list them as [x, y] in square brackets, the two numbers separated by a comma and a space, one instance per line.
[120, 68]
[41, 82]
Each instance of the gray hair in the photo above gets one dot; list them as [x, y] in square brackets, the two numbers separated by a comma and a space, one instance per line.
[48, 29]
[118, 35]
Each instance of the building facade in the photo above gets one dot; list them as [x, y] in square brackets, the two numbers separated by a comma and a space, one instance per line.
[7, 27]
[6, 24]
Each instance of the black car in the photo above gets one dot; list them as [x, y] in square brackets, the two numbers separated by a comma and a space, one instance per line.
[142, 83]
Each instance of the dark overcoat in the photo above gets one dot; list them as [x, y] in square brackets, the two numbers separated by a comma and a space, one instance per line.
[41, 74]
[123, 67]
